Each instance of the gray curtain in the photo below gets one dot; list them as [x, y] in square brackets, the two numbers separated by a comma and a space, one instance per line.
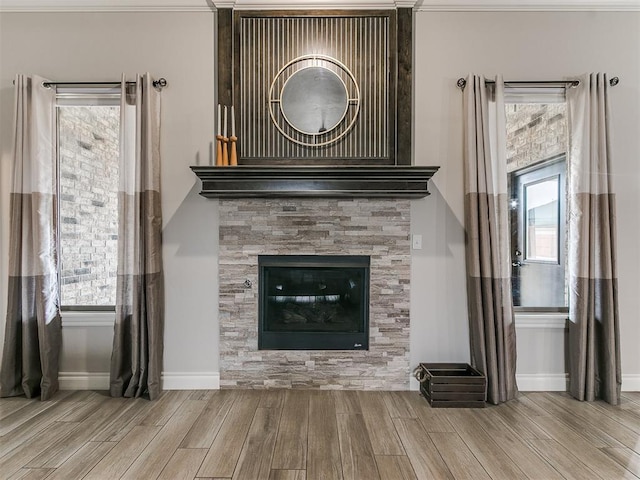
[594, 337]
[491, 322]
[33, 331]
[136, 360]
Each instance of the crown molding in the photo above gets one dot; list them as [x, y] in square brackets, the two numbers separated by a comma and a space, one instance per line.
[419, 5]
[194, 5]
[527, 5]
[106, 6]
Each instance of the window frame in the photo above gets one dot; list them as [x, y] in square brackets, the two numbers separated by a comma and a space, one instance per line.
[533, 95]
[80, 97]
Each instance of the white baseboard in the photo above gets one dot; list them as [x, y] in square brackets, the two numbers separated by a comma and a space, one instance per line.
[542, 382]
[539, 382]
[191, 381]
[631, 383]
[559, 382]
[170, 381]
[83, 380]
[530, 382]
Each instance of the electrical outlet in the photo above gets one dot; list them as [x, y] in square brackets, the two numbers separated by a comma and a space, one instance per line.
[417, 242]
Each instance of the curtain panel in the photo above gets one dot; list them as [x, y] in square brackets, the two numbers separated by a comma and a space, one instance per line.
[136, 361]
[594, 337]
[491, 320]
[33, 330]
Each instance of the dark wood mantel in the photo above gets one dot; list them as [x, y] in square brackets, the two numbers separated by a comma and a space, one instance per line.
[309, 181]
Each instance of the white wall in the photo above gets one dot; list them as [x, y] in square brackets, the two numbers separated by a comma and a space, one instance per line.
[180, 47]
[521, 46]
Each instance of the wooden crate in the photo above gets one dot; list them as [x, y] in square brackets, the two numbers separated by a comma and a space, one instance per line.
[452, 385]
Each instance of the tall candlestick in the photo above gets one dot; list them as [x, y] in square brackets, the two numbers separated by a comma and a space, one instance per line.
[233, 121]
[233, 154]
[219, 119]
[224, 130]
[219, 138]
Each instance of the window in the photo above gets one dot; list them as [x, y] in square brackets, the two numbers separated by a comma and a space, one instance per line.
[88, 152]
[536, 148]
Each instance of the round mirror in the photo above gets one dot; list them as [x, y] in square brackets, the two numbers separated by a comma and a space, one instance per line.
[314, 100]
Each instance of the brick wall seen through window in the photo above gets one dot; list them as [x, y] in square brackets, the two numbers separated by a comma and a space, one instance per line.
[88, 198]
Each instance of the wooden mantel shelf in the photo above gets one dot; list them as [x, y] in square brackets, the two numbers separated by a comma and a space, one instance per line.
[310, 181]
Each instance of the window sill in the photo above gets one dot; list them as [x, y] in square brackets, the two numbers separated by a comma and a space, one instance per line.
[539, 320]
[88, 319]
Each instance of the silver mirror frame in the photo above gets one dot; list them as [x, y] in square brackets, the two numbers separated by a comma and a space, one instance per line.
[332, 76]
[275, 102]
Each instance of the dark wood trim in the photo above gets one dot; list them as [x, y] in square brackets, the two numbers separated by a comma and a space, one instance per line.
[345, 181]
[404, 86]
[236, 78]
[393, 79]
[225, 56]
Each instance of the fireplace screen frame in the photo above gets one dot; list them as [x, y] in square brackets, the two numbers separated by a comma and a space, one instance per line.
[314, 340]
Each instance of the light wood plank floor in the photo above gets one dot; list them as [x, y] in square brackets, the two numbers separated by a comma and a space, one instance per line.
[309, 435]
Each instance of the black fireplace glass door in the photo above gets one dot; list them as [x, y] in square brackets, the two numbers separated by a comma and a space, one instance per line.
[314, 302]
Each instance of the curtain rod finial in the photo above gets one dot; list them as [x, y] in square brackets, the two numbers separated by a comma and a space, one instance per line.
[461, 83]
[614, 81]
[160, 83]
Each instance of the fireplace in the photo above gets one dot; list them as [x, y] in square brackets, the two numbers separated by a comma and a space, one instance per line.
[316, 201]
[254, 229]
[313, 302]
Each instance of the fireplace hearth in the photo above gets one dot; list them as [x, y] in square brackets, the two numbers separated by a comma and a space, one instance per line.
[313, 302]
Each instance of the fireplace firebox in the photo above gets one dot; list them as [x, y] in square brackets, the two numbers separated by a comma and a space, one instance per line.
[313, 302]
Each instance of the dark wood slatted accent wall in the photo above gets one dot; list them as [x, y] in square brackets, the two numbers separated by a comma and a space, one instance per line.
[269, 43]
[389, 143]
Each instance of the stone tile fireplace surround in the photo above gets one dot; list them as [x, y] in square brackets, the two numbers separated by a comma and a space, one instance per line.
[315, 226]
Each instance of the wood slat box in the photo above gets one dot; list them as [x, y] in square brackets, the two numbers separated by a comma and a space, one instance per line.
[452, 385]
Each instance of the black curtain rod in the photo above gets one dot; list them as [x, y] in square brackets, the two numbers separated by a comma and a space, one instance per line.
[159, 84]
[461, 83]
